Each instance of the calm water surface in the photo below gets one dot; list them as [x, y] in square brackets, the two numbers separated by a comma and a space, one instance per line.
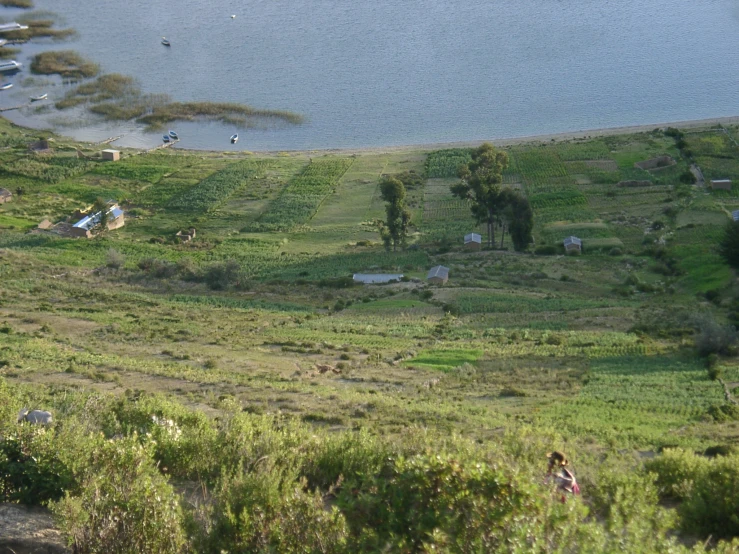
[385, 72]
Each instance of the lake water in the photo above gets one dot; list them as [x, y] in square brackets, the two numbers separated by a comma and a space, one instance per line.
[388, 72]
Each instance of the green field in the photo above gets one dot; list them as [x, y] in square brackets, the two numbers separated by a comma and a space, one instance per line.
[518, 353]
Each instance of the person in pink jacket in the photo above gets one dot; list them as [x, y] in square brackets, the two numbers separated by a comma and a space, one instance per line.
[562, 477]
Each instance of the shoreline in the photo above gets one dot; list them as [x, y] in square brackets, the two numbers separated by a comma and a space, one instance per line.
[424, 147]
[514, 141]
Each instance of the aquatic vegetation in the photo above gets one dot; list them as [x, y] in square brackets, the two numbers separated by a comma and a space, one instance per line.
[67, 63]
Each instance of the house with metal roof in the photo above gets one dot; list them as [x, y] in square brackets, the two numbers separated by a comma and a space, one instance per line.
[377, 278]
[473, 241]
[438, 275]
[573, 244]
[722, 184]
[85, 226]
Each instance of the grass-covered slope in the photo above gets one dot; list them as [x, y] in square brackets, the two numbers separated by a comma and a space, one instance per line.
[256, 322]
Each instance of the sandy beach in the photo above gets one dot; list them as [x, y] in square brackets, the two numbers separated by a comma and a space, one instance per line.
[571, 135]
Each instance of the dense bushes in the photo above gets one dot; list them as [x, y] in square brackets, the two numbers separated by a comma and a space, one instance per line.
[258, 483]
[707, 487]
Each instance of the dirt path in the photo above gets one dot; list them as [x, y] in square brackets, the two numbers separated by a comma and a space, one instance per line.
[698, 174]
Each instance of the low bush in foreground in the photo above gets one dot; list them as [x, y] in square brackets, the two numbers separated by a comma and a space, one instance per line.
[253, 483]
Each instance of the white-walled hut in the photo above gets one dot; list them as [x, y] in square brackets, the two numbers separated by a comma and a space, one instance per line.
[438, 275]
[376, 278]
[111, 155]
[721, 184]
[572, 245]
[473, 241]
[5, 196]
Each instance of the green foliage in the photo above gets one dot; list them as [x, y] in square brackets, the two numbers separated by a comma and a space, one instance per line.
[263, 511]
[446, 163]
[215, 189]
[123, 504]
[50, 170]
[712, 506]
[564, 197]
[395, 228]
[31, 471]
[481, 180]
[728, 247]
[300, 200]
[123, 170]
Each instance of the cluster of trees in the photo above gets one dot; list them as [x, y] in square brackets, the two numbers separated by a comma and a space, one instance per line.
[394, 230]
[492, 204]
[481, 182]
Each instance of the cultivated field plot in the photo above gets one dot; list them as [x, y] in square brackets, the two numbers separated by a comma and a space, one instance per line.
[259, 307]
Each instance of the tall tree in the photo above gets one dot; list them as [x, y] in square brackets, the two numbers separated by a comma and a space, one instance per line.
[518, 216]
[395, 229]
[481, 181]
[101, 206]
[728, 247]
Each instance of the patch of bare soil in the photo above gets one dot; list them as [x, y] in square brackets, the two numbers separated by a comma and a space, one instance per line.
[29, 530]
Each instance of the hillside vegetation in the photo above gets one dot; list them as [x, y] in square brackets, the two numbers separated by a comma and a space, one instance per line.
[270, 404]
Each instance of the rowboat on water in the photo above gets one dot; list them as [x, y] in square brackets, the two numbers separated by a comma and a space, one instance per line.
[234, 138]
[173, 135]
[165, 138]
[11, 65]
[165, 42]
[6, 86]
[43, 96]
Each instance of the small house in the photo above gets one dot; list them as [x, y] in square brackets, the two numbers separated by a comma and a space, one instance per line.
[573, 244]
[40, 147]
[473, 241]
[376, 278]
[111, 155]
[438, 275]
[722, 184]
[5, 196]
[85, 226]
[45, 224]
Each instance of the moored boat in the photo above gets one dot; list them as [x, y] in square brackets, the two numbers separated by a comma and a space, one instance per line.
[11, 65]
[234, 138]
[8, 27]
[173, 135]
[165, 138]
[43, 96]
[165, 42]
[3, 41]
[6, 86]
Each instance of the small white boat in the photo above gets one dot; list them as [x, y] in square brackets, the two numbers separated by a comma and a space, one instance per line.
[11, 65]
[173, 135]
[6, 86]
[43, 96]
[234, 138]
[3, 41]
[165, 138]
[165, 42]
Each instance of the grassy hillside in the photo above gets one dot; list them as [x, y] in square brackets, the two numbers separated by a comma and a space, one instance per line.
[517, 354]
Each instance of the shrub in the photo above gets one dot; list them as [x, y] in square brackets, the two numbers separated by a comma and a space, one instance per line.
[221, 275]
[713, 503]
[548, 250]
[123, 506]
[713, 338]
[31, 471]
[266, 511]
[115, 259]
[722, 413]
[676, 470]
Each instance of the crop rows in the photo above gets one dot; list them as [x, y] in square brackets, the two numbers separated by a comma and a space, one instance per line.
[539, 166]
[215, 189]
[56, 170]
[562, 198]
[445, 209]
[123, 170]
[579, 151]
[304, 194]
[445, 163]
